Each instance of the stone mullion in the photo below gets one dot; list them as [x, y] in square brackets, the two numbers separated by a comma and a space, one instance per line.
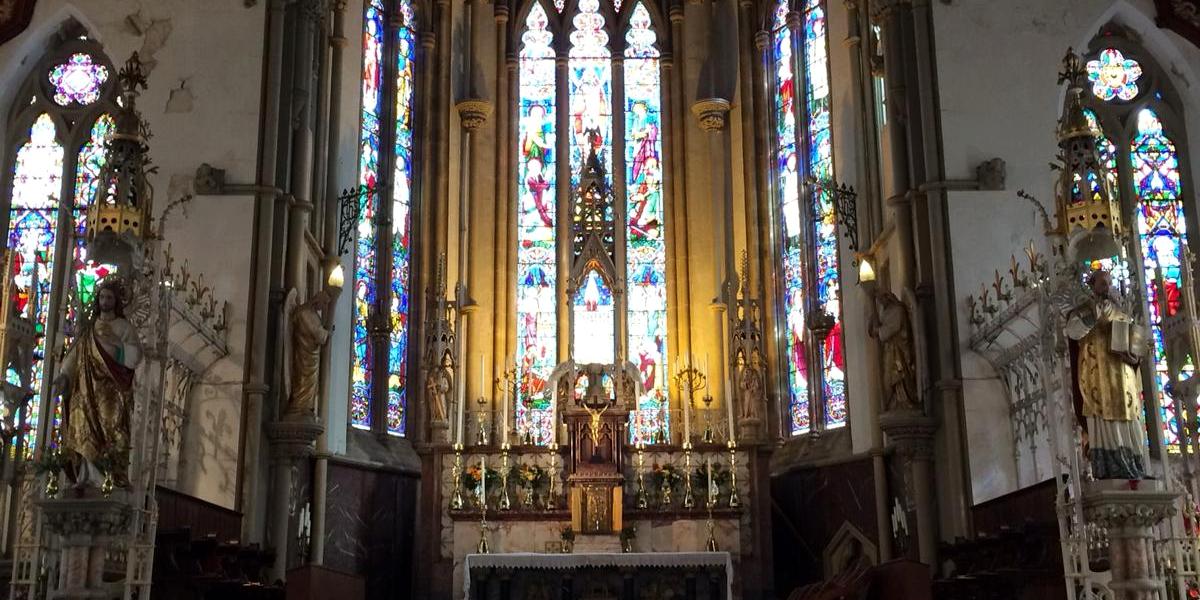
[812, 306]
[675, 189]
[502, 245]
[562, 192]
[620, 206]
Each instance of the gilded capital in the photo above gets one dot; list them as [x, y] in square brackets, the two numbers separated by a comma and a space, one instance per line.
[711, 112]
[473, 113]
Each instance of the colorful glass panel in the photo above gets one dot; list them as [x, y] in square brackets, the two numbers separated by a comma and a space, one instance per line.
[1114, 76]
[537, 275]
[402, 178]
[87, 182]
[33, 222]
[594, 321]
[78, 80]
[1162, 230]
[819, 144]
[590, 91]
[365, 257]
[646, 250]
[1108, 157]
[787, 174]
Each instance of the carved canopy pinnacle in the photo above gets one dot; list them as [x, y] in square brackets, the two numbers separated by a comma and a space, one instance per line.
[473, 113]
[712, 113]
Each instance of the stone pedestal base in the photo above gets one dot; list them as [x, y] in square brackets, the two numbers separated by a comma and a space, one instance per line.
[87, 528]
[1130, 516]
[750, 430]
[439, 432]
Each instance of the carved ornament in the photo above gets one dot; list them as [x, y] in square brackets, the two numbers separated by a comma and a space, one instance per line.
[473, 113]
[712, 113]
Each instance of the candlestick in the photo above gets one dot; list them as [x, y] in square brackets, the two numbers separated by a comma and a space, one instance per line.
[711, 496]
[689, 499]
[734, 499]
[483, 483]
[505, 501]
[553, 476]
[481, 437]
[641, 481]
[456, 498]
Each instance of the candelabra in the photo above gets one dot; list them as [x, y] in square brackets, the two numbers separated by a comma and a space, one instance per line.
[481, 437]
[708, 436]
[690, 380]
[505, 501]
[641, 477]
[689, 499]
[456, 497]
[550, 504]
[734, 500]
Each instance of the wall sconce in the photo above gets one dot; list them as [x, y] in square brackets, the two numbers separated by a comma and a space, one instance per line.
[337, 277]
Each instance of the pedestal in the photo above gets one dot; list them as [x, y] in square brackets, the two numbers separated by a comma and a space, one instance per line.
[439, 432]
[87, 528]
[750, 430]
[292, 439]
[1130, 516]
[912, 434]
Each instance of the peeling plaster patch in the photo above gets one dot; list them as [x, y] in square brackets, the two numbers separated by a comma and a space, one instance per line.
[154, 34]
[181, 99]
[180, 186]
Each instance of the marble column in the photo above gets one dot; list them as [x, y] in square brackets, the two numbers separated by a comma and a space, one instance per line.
[911, 432]
[292, 441]
[1130, 516]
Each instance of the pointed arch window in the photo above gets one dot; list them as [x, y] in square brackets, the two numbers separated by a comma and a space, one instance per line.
[606, 74]
[383, 246]
[1132, 106]
[803, 170]
[50, 176]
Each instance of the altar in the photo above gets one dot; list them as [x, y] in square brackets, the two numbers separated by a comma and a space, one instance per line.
[598, 576]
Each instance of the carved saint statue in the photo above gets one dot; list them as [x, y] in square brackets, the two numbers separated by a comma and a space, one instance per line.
[96, 383]
[437, 387]
[891, 325]
[1105, 351]
[750, 384]
[305, 332]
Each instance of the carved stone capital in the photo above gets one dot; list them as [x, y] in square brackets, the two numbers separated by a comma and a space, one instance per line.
[712, 113]
[500, 12]
[428, 40]
[473, 113]
[794, 20]
[762, 40]
[911, 432]
[93, 517]
[293, 436]
[1106, 503]
[675, 14]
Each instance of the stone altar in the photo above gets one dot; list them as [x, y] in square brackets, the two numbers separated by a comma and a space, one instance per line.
[701, 575]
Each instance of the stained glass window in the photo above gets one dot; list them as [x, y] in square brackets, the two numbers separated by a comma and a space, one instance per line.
[362, 369]
[389, 29]
[1162, 231]
[32, 228]
[1141, 158]
[78, 80]
[87, 182]
[537, 275]
[646, 249]
[588, 84]
[808, 153]
[1114, 76]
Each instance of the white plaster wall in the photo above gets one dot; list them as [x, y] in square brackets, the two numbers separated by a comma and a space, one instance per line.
[997, 67]
[214, 51]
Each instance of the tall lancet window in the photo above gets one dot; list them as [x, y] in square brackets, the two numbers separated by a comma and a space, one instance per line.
[632, 166]
[1133, 106]
[382, 253]
[51, 174]
[803, 164]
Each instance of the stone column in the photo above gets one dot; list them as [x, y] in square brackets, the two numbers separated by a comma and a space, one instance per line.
[675, 190]
[473, 114]
[1130, 516]
[712, 114]
[292, 440]
[912, 434]
[87, 529]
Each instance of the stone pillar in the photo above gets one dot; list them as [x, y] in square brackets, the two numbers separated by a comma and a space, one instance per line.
[292, 441]
[87, 529]
[1130, 516]
[912, 434]
[712, 114]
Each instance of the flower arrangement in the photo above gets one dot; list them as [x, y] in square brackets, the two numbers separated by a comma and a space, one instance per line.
[720, 476]
[470, 477]
[666, 476]
[567, 534]
[529, 475]
[51, 461]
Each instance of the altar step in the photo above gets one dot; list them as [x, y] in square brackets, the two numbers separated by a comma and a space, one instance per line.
[597, 544]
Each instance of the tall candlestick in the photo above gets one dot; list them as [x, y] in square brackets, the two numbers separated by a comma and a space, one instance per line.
[729, 407]
[483, 482]
[708, 468]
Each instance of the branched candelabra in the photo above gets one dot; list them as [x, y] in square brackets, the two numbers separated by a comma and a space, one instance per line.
[690, 381]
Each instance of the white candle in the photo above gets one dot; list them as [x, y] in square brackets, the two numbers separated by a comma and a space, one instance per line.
[687, 401]
[483, 481]
[504, 415]
[482, 386]
[729, 407]
[461, 408]
[708, 468]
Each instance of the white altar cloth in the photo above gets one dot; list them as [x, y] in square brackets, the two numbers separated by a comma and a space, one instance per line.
[566, 562]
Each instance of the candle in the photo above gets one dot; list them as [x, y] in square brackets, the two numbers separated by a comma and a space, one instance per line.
[461, 408]
[483, 481]
[565, 436]
[729, 407]
[687, 401]
[482, 387]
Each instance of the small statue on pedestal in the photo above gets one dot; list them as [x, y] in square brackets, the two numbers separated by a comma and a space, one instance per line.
[305, 332]
[1105, 351]
[750, 383]
[96, 384]
[437, 388]
[890, 324]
